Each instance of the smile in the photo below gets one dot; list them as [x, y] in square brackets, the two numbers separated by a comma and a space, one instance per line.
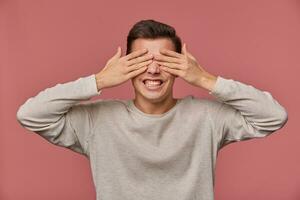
[153, 84]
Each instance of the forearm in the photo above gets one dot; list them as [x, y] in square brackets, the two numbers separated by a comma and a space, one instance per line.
[50, 104]
[258, 107]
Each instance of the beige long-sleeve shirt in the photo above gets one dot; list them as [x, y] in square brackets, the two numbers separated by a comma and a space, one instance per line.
[139, 156]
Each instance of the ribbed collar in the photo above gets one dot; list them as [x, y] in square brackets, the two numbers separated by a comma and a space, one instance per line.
[133, 108]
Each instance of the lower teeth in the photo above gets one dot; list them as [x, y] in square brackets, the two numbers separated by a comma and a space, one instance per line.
[152, 85]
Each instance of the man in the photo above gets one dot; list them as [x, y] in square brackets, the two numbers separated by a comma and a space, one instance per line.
[153, 146]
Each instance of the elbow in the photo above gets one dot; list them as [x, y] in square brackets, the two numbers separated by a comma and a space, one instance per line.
[283, 117]
[280, 118]
[275, 122]
[20, 115]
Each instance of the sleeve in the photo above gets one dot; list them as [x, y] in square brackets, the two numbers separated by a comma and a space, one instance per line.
[57, 115]
[242, 112]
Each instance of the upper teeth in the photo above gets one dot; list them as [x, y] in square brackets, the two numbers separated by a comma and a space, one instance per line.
[151, 82]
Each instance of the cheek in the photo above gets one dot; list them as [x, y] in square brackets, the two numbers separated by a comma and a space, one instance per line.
[171, 80]
[169, 76]
[136, 80]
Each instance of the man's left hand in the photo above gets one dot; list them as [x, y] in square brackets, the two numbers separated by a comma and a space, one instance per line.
[185, 66]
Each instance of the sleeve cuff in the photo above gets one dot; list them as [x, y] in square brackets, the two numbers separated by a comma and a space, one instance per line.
[222, 88]
[91, 85]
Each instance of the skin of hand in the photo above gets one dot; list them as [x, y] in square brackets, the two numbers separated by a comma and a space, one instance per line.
[119, 69]
[185, 65]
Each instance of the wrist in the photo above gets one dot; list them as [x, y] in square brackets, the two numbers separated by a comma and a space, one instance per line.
[99, 81]
[207, 81]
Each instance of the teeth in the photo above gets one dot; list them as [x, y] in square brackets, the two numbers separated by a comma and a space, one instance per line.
[153, 84]
[150, 82]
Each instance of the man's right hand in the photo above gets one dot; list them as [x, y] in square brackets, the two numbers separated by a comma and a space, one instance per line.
[120, 69]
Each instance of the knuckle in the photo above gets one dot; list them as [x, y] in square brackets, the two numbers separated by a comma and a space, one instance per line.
[139, 59]
[126, 63]
[123, 61]
[124, 70]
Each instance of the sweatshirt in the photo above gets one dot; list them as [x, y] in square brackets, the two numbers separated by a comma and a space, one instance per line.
[138, 156]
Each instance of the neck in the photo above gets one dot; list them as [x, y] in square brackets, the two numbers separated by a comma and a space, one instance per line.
[157, 107]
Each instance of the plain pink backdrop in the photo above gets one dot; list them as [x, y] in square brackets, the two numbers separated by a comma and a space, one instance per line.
[43, 43]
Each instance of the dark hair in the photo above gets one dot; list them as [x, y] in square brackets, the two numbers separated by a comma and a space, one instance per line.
[151, 29]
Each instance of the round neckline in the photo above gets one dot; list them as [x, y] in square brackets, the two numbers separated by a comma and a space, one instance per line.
[132, 105]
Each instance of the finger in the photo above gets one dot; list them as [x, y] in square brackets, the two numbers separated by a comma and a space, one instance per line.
[136, 72]
[139, 65]
[167, 59]
[140, 59]
[135, 54]
[170, 65]
[116, 55]
[175, 72]
[170, 53]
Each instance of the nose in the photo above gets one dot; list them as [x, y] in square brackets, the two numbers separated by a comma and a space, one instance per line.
[153, 67]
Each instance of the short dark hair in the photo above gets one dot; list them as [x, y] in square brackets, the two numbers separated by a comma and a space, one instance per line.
[151, 29]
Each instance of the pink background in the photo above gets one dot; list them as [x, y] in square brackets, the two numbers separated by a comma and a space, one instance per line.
[47, 42]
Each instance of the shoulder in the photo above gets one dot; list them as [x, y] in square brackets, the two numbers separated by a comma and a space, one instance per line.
[203, 102]
[211, 106]
[93, 108]
[104, 104]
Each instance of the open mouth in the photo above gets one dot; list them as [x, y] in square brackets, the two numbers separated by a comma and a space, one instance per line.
[153, 84]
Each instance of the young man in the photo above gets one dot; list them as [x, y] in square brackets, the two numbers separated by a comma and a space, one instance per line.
[153, 146]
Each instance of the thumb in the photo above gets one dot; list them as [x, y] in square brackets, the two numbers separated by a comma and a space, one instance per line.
[116, 55]
[119, 52]
[187, 53]
[183, 49]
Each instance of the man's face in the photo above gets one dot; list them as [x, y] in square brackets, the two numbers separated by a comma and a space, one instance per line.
[161, 85]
